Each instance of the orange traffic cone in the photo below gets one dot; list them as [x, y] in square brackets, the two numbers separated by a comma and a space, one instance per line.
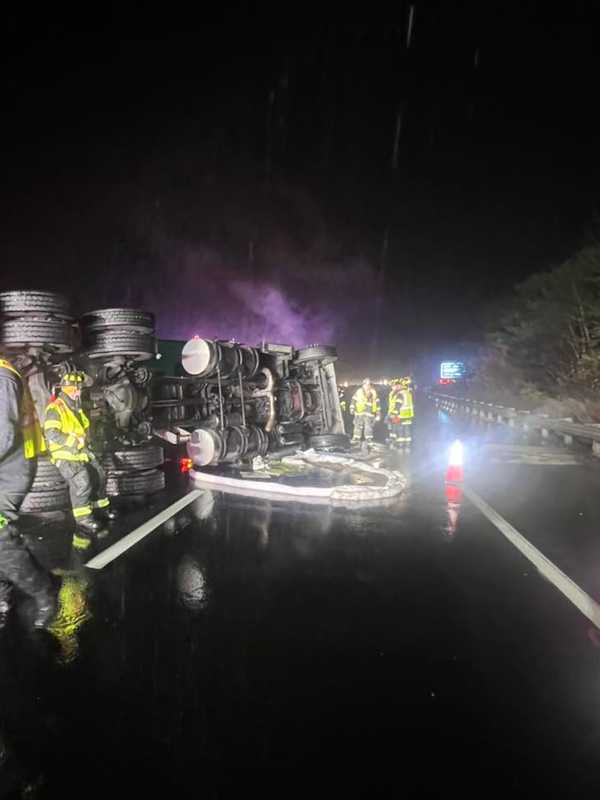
[454, 495]
[455, 472]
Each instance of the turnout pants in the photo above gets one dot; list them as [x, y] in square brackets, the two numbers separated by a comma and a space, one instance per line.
[404, 432]
[393, 432]
[18, 568]
[15, 482]
[87, 486]
[363, 424]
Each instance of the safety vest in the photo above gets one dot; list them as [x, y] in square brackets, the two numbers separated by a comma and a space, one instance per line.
[31, 430]
[408, 410]
[395, 401]
[74, 425]
[361, 404]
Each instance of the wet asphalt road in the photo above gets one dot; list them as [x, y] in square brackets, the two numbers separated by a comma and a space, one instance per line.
[259, 634]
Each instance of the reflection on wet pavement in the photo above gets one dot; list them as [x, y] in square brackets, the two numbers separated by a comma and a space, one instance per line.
[255, 632]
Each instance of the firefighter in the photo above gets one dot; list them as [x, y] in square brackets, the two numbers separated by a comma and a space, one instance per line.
[364, 407]
[407, 413]
[66, 428]
[20, 443]
[393, 419]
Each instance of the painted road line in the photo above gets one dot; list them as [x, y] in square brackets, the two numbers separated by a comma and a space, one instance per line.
[120, 547]
[580, 599]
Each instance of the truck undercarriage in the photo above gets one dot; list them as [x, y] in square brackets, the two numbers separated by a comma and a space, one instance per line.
[228, 402]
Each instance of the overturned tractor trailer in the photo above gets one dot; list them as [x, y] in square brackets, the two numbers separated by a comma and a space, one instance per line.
[233, 402]
[223, 400]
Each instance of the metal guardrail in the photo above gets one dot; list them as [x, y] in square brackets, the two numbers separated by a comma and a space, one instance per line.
[524, 420]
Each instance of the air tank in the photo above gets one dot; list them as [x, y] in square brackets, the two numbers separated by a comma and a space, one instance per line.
[205, 358]
[208, 447]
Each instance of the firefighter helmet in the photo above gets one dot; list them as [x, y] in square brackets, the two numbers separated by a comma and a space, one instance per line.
[74, 378]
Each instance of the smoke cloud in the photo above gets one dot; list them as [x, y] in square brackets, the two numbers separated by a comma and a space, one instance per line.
[196, 291]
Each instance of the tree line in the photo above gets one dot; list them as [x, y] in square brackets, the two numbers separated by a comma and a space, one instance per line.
[545, 339]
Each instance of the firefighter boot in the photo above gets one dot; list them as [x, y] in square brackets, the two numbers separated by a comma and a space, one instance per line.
[86, 532]
[88, 525]
[107, 514]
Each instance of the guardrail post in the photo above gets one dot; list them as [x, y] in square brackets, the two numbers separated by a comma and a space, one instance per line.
[596, 448]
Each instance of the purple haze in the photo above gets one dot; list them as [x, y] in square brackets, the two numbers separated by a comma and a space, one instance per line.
[199, 294]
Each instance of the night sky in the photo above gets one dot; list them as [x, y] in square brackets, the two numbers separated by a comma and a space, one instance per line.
[241, 178]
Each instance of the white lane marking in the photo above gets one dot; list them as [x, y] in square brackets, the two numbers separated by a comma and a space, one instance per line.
[580, 599]
[118, 548]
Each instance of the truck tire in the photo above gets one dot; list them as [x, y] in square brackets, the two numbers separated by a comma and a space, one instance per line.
[330, 441]
[15, 304]
[132, 319]
[54, 334]
[316, 352]
[107, 343]
[133, 458]
[47, 477]
[54, 499]
[135, 483]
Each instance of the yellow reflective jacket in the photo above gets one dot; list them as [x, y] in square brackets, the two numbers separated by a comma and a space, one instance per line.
[31, 430]
[363, 403]
[66, 432]
[395, 401]
[408, 409]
